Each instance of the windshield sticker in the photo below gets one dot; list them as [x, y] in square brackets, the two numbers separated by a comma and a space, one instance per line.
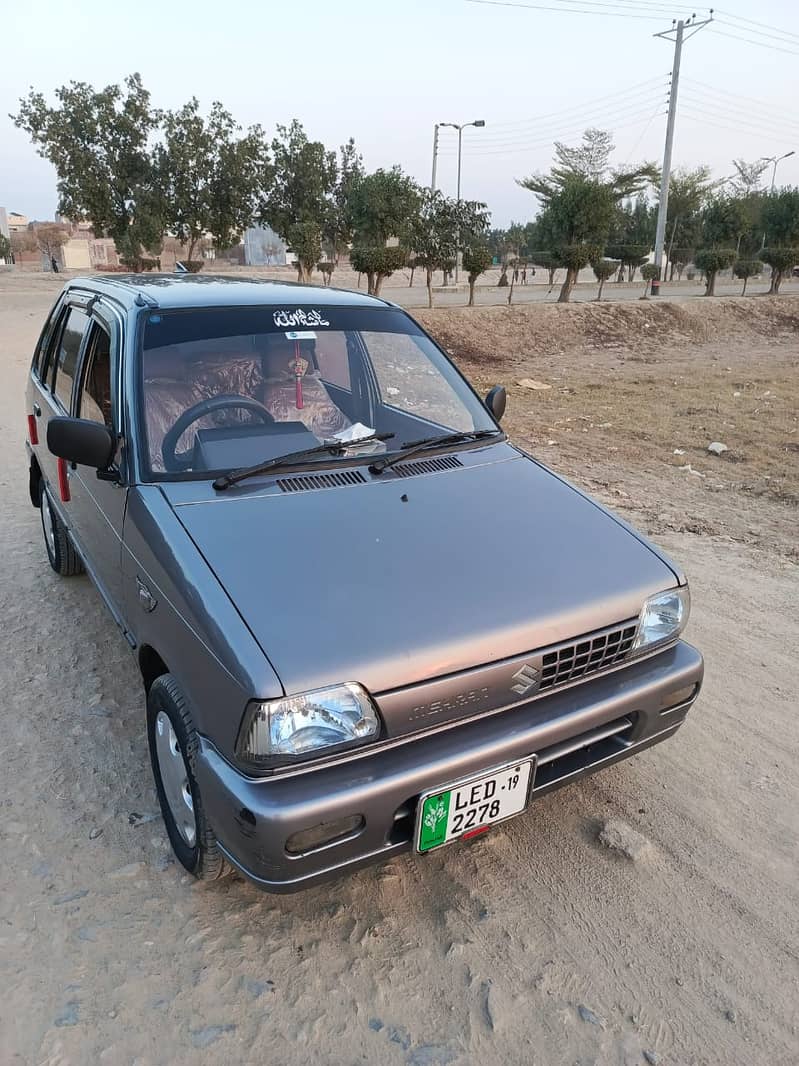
[299, 318]
[301, 335]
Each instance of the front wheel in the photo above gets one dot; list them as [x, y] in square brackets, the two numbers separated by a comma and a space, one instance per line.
[60, 549]
[174, 745]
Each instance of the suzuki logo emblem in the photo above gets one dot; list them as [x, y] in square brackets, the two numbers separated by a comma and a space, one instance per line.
[526, 680]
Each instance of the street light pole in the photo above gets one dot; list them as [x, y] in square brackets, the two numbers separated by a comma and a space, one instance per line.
[775, 160]
[460, 128]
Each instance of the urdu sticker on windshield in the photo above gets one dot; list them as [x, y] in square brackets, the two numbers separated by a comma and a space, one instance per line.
[299, 317]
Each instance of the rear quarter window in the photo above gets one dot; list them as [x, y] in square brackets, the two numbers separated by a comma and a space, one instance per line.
[45, 342]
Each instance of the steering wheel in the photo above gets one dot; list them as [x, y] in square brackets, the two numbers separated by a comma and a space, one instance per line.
[174, 462]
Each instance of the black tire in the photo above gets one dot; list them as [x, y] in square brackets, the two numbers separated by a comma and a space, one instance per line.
[204, 859]
[60, 549]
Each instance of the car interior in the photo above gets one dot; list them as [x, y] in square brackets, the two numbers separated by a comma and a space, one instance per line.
[280, 377]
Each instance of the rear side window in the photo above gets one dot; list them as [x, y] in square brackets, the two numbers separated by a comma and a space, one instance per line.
[95, 395]
[67, 355]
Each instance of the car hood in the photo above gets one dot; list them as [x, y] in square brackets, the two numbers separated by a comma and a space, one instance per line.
[397, 580]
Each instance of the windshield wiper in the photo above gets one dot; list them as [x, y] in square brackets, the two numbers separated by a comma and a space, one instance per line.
[414, 447]
[333, 446]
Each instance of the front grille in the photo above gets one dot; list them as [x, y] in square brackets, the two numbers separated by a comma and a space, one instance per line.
[308, 482]
[427, 466]
[595, 652]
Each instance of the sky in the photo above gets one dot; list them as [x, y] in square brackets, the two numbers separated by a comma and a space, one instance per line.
[385, 71]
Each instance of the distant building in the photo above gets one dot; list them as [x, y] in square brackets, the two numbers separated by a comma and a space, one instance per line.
[16, 222]
[263, 247]
[4, 223]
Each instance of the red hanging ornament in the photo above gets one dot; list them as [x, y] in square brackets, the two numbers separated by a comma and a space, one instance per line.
[298, 368]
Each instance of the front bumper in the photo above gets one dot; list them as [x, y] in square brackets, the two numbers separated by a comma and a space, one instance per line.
[574, 732]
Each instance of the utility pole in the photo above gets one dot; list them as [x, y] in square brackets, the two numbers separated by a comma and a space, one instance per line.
[435, 158]
[677, 33]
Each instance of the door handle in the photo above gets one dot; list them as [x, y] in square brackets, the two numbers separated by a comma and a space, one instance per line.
[37, 410]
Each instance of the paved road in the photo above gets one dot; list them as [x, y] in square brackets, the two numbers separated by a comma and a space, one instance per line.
[585, 291]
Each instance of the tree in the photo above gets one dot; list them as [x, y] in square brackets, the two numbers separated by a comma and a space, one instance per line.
[297, 204]
[477, 258]
[339, 230]
[747, 176]
[746, 269]
[780, 260]
[680, 258]
[326, 269]
[649, 272]
[580, 197]
[689, 190]
[710, 261]
[547, 261]
[5, 247]
[574, 257]
[631, 256]
[23, 241]
[780, 218]
[210, 177]
[440, 224]
[98, 142]
[382, 206]
[50, 239]
[377, 262]
[604, 269]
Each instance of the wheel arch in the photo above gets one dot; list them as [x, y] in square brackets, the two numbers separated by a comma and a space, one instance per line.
[151, 665]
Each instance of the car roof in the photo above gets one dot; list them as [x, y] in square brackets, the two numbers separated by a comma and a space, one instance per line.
[217, 290]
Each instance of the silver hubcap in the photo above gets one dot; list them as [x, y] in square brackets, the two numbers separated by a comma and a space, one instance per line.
[175, 778]
[47, 524]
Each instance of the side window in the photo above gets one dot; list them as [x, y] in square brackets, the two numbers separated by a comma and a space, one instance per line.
[66, 356]
[331, 355]
[94, 401]
[39, 365]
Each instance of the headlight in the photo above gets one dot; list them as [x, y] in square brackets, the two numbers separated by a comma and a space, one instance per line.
[304, 724]
[663, 617]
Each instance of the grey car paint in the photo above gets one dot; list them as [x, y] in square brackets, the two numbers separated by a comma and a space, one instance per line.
[438, 582]
[420, 577]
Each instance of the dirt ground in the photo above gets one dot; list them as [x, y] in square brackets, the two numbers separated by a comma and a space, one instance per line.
[533, 945]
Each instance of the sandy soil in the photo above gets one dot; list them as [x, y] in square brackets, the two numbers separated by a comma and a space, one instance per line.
[535, 944]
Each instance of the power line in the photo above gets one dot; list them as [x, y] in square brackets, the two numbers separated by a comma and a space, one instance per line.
[746, 105]
[590, 115]
[758, 33]
[746, 40]
[787, 128]
[579, 107]
[752, 22]
[543, 142]
[704, 120]
[756, 123]
[567, 10]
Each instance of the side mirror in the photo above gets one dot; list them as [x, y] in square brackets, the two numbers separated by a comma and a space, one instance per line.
[496, 400]
[81, 441]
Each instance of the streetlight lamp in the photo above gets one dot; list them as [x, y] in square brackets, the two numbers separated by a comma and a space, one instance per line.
[776, 159]
[460, 128]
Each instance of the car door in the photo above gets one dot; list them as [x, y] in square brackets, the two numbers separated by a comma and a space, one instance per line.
[57, 367]
[98, 502]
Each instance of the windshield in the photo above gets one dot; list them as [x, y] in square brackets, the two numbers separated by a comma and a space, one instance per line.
[227, 388]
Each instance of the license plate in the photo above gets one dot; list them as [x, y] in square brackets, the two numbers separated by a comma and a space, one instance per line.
[467, 807]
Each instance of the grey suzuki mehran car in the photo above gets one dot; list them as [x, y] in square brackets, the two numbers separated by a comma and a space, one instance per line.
[365, 621]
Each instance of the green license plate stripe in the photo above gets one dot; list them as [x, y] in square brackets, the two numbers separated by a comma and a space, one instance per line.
[435, 817]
